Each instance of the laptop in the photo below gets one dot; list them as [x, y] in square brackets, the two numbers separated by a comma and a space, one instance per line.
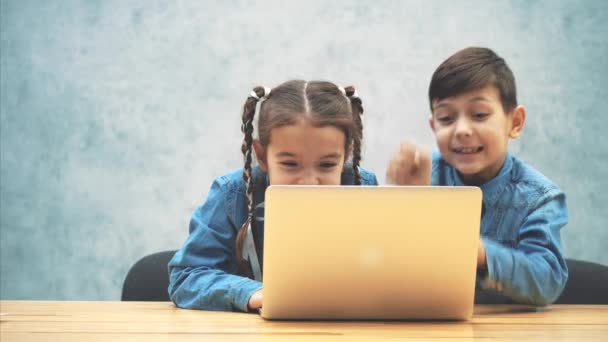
[370, 252]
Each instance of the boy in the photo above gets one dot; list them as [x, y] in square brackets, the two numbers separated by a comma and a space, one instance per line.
[474, 114]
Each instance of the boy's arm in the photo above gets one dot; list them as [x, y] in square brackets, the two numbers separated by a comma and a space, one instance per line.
[534, 272]
[199, 272]
[410, 166]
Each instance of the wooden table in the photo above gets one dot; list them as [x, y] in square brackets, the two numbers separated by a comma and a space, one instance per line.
[142, 321]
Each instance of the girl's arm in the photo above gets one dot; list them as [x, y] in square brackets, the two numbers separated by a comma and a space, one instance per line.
[202, 271]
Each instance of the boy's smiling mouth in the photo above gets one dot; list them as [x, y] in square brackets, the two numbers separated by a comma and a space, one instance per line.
[467, 150]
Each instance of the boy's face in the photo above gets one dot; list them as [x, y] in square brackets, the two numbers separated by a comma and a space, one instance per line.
[472, 131]
[303, 154]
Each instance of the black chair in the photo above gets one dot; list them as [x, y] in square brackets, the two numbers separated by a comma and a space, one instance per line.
[148, 279]
[587, 283]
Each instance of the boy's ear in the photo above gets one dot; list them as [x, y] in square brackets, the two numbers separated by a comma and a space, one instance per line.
[260, 155]
[518, 119]
[431, 123]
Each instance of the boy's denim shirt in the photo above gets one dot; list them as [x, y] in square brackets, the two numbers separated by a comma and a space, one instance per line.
[522, 214]
[203, 273]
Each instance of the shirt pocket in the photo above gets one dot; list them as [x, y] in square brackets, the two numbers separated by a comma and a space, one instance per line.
[503, 224]
[237, 208]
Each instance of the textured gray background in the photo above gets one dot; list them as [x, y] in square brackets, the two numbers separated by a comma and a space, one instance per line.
[117, 115]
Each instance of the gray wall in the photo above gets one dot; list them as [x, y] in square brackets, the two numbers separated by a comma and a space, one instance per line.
[117, 115]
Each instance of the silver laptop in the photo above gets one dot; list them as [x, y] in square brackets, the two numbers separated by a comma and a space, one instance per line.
[378, 252]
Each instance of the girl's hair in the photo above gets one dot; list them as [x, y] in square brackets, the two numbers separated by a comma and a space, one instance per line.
[323, 103]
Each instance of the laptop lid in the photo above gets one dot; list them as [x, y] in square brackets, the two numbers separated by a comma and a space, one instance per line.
[379, 252]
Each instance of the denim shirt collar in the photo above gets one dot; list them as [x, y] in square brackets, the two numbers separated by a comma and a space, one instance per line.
[494, 187]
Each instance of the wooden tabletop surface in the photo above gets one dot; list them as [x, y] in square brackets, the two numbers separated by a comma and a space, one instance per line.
[162, 321]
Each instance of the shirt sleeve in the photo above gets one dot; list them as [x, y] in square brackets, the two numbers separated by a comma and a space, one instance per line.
[201, 272]
[535, 271]
[367, 177]
[371, 180]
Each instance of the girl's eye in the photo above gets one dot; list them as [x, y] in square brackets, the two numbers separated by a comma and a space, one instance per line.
[328, 165]
[289, 163]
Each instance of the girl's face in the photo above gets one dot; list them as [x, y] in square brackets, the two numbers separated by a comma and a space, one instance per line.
[302, 154]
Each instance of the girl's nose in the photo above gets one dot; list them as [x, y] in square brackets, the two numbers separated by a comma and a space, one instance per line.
[308, 178]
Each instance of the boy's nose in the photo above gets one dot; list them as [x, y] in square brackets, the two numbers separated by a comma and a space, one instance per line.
[463, 127]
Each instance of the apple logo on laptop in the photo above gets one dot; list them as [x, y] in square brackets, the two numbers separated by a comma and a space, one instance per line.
[371, 256]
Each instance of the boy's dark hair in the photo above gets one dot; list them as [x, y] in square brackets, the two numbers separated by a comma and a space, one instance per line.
[473, 68]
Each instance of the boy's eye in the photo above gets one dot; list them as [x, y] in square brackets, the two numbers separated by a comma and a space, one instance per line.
[480, 116]
[445, 118]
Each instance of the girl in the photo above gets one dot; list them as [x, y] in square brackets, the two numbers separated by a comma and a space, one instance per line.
[306, 133]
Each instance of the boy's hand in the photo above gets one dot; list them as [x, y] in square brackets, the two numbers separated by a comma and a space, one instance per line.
[255, 302]
[411, 166]
[481, 257]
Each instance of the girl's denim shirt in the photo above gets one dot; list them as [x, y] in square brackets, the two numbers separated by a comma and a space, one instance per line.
[522, 215]
[203, 273]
